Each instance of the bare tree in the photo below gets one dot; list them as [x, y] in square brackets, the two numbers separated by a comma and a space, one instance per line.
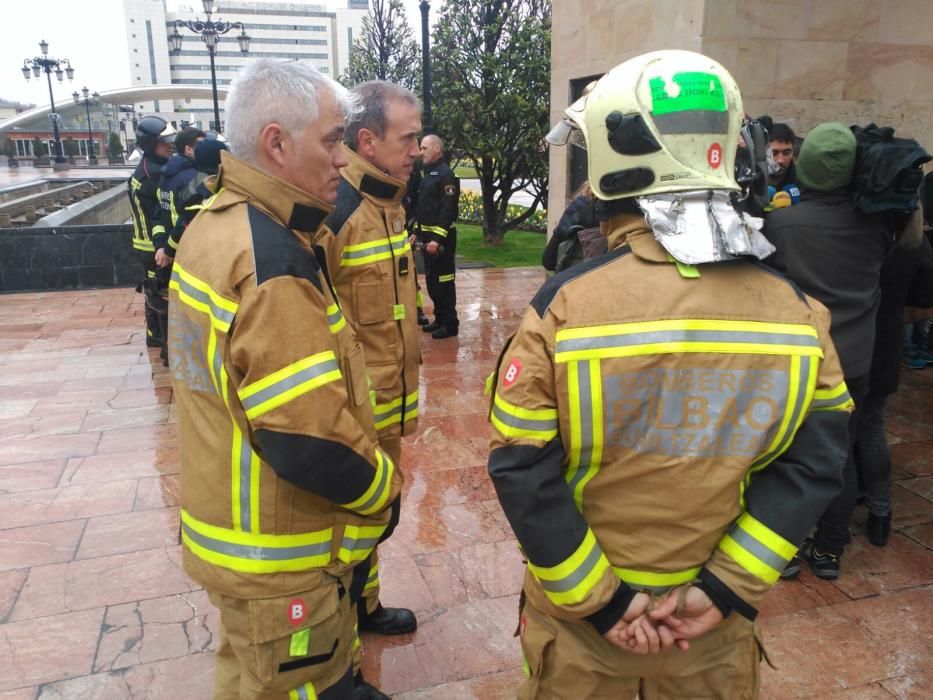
[386, 50]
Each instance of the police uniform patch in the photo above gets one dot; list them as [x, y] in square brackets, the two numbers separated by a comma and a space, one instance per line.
[450, 189]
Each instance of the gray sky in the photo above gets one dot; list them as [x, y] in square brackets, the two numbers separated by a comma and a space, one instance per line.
[79, 31]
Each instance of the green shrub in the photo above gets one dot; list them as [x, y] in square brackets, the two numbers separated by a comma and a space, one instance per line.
[471, 212]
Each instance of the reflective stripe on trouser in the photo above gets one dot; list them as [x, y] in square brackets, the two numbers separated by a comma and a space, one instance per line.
[147, 262]
[266, 660]
[723, 663]
[443, 293]
[371, 588]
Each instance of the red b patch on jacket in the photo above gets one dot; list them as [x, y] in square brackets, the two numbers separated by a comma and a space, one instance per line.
[511, 373]
[297, 611]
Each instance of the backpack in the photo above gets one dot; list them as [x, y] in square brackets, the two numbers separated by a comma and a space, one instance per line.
[569, 252]
[888, 170]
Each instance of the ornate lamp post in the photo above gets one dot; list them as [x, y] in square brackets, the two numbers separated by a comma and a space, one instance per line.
[426, 68]
[87, 101]
[48, 64]
[210, 30]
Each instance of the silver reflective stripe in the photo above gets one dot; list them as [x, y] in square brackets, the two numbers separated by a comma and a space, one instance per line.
[217, 365]
[302, 692]
[352, 543]
[377, 494]
[334, 318]
[246, 479]
[586, 423]
[205, 298]
[538, 425]
[290, 382]
[685, 336]
[829, 403]
[394, 411]
[757, 549]
[692, 121]
[366, 252]
[572, 580]
[802, 381]
[243, 551]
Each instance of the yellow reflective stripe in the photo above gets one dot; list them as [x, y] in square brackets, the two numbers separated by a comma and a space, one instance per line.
[198, 295]
[377, 495]
[654, 581]
[686, 335]
[386, 414]
[836, 398]
[143, 245]
[244, 479]
[419, 298]
[571, 581]
[372, 581]
[516, 422]
[172, 244]
[589, 449]
[446, 278]
[304, 692]
[171, 208]
[335, 319]
[252, 552]
[439, 230]
[576, 440]
[288, 383]
[205, 204]
[358, 541]
[764, 536]
[374, 251]
[749, 561]
[356, 637]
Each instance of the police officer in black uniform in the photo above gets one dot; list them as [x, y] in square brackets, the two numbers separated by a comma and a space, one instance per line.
[438, 201]
[155, 138]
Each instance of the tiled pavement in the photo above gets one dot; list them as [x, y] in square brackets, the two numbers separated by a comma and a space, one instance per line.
[94, 603]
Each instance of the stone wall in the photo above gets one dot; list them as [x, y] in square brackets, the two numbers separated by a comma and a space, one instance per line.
[801, 61]
[108, 207]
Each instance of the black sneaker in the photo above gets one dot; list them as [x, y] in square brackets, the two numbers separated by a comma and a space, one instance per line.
[823, 564]
[792, 570]
[431, 327]
[444, 332]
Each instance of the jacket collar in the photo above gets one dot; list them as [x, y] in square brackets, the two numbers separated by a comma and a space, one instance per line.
[632, 230]
[371, 182]
[434, 165]
[292, 206]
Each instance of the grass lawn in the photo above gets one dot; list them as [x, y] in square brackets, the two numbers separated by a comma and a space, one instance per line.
[518, 249]
[465, 171]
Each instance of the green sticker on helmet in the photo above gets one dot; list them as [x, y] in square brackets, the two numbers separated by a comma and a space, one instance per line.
[693, 92]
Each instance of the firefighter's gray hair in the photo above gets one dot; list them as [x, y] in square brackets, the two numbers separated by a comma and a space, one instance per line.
[369, 104]
[270, 91]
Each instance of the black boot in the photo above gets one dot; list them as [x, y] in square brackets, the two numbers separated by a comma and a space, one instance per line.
[444, 332]
[364, 691]
[422, 319]
[386, 620]
[878, 529]
[431, 327]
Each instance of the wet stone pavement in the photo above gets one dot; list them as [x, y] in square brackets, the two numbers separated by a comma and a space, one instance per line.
[94, 603]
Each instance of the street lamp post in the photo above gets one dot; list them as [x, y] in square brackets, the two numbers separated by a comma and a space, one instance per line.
[426, 68]
[210, 30]
[46, 63]
[87, 101]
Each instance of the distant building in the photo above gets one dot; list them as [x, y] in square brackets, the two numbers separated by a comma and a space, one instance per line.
[319, 33]
[8, 109]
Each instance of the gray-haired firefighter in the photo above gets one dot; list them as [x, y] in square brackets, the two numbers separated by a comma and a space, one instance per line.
[670, 418]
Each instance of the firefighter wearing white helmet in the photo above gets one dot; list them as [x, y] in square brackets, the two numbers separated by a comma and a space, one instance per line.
[670, 418]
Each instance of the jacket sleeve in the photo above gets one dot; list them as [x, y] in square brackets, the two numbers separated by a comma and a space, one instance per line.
[292, 388]
[526, 464]
[783, 499]
[160, 236]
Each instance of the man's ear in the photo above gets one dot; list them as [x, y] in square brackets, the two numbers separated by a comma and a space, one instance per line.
[365, 140]
[274, 144]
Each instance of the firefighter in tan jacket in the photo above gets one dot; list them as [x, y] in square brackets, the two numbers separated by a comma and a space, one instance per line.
[670, 418]
[371, 265]
[285, 491]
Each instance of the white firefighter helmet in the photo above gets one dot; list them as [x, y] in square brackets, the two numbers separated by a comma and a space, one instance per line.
[666, 121]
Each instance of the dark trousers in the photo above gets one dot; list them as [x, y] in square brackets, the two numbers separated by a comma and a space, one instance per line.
[832, 530]
[873, 456]
[440, 271]
[149, 287]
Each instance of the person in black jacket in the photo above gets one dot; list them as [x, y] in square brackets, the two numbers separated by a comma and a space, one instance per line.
[834, 253]
[580, 214]
[191, 196]
[906, 278]
[437, 209]
[176, 174]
